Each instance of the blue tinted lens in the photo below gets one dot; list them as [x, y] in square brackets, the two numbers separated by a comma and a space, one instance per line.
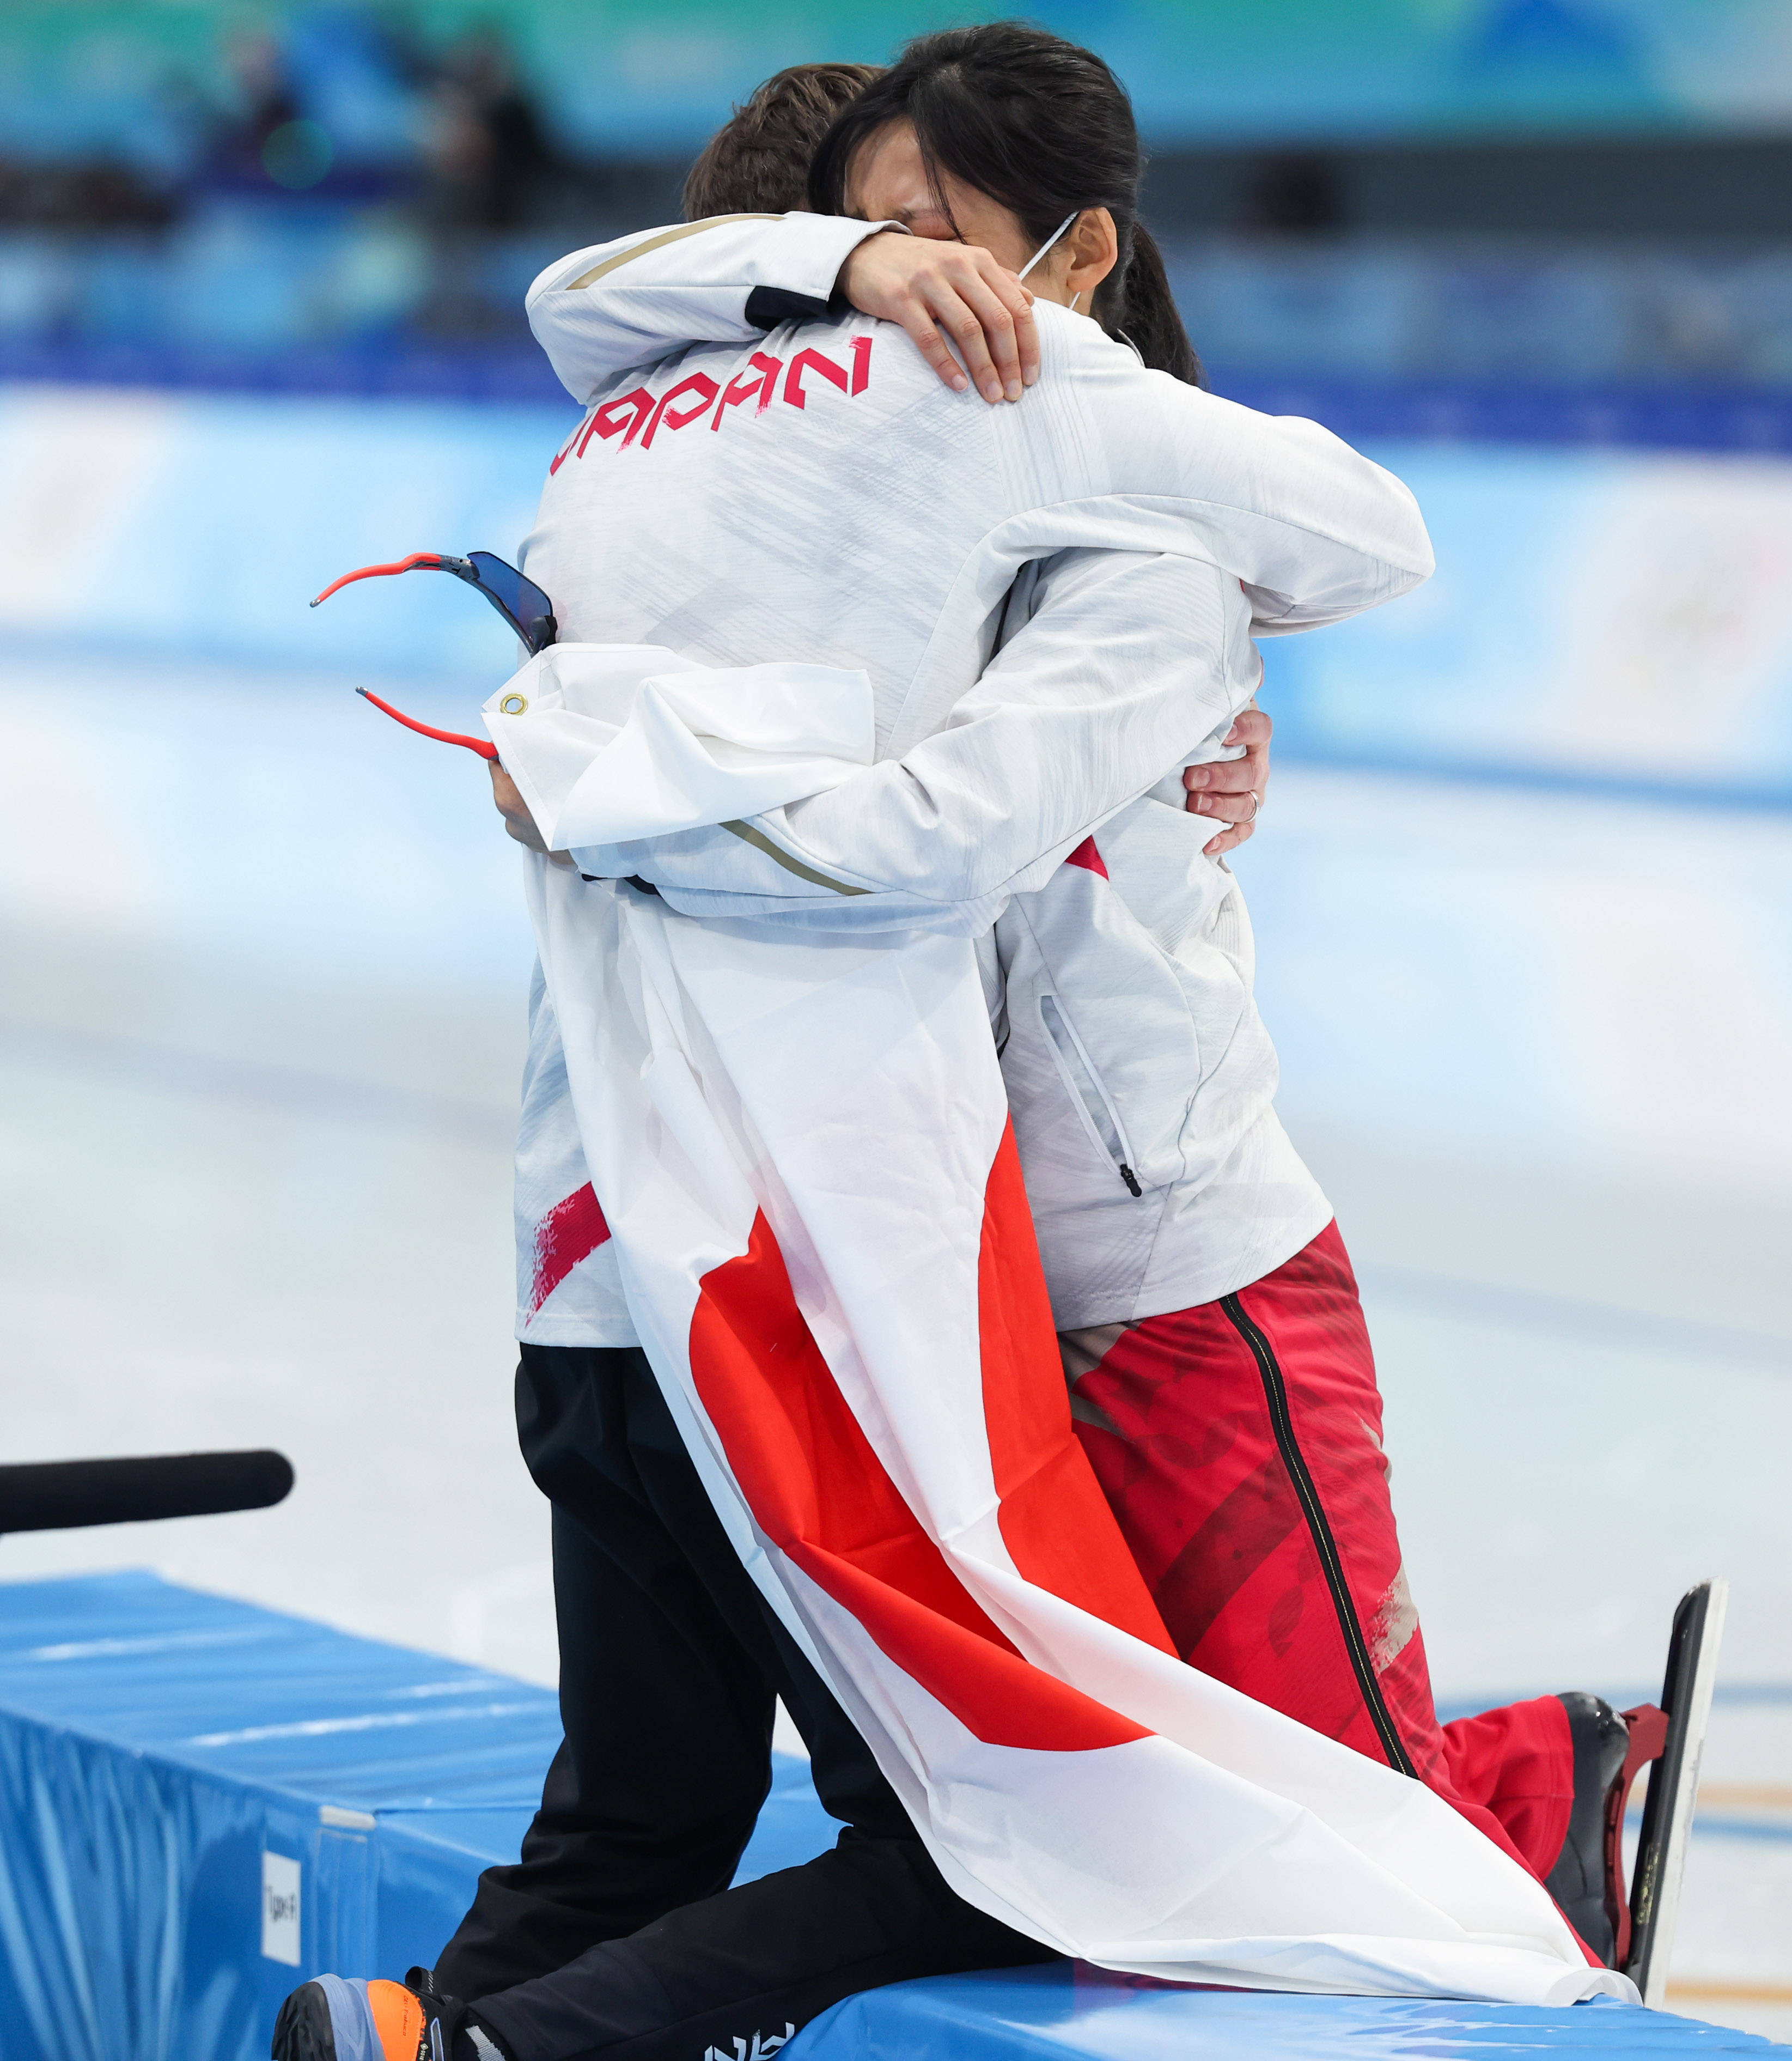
[520, 598]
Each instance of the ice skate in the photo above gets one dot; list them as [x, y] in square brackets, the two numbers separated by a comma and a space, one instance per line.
[1585, 1882]
[331, 2019]
[1631, 1927]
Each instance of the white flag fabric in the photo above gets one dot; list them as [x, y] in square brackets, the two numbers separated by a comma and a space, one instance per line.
[610, 744]
[800, 1144]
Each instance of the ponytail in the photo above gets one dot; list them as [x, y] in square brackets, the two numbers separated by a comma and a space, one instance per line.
[1044, 128]
[1148, 318]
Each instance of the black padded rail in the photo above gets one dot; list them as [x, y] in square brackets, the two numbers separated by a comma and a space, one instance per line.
[62, 1496]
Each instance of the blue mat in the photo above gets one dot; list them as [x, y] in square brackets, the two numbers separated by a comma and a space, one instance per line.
[187, 1782]
[1082, 2015]
[203, 1803]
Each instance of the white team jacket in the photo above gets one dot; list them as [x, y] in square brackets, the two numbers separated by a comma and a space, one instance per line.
[1053, 604]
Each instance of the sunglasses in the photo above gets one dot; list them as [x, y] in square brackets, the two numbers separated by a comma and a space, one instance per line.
[520, 601]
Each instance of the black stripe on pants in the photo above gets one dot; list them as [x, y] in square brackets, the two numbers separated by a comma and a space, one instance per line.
[611, 1931]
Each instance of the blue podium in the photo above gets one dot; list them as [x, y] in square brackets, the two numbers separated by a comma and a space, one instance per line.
[203, 1803]
[1078, 2014]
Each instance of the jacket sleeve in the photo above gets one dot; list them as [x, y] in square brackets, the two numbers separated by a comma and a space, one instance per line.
[1131, 665]
[724, 280]
[1314, 530]
[1353, 534]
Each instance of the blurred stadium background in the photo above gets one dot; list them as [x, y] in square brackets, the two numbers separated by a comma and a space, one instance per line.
[261, 273]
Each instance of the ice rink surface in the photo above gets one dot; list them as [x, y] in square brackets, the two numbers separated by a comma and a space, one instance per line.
[261, 1024]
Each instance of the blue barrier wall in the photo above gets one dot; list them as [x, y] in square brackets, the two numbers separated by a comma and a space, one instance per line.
[202, 1803]
[1602, 616]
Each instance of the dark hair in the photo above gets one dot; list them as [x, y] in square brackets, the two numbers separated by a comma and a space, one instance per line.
[1042, 127]
[757, 162]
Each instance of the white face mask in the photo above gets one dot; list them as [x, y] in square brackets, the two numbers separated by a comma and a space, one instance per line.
[1044, 247]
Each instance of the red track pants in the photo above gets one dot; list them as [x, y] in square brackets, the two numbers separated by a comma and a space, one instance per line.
[1240, 1445]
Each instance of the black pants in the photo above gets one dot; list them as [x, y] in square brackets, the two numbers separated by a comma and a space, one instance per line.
[616, 1934]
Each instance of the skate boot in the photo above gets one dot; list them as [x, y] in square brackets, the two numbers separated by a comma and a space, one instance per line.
[1632, 1928]
[334, 2019]
[1582, 1881]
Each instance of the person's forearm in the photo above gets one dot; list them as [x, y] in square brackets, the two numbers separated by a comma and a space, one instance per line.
[1131, 665]
[600, 310]
[1316, 530]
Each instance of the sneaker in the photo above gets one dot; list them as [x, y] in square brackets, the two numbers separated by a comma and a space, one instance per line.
[334, 2018]
[1581, 1881]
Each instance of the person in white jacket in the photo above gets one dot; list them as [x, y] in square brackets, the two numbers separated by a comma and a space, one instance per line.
[1053, 605]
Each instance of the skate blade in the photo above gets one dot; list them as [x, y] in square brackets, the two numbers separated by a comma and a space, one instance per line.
[1667, 1814]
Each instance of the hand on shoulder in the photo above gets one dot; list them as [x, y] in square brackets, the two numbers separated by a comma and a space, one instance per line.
[937, 290]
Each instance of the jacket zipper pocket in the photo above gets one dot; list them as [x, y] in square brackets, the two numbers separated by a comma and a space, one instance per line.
[1085, 1084]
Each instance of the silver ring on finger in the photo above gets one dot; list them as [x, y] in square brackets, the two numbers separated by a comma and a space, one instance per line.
[1256, 803]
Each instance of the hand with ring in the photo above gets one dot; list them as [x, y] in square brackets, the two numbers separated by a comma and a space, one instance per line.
[1230, 790]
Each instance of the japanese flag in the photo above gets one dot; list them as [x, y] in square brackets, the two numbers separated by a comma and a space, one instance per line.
[801, 1146]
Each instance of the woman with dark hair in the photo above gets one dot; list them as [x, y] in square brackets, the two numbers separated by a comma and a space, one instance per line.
[1237, 1435]
[972, 124]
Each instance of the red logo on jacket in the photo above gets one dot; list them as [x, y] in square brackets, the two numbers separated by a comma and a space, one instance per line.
[639, 416]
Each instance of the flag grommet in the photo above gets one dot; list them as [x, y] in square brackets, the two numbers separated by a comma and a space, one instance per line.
[513, 704]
